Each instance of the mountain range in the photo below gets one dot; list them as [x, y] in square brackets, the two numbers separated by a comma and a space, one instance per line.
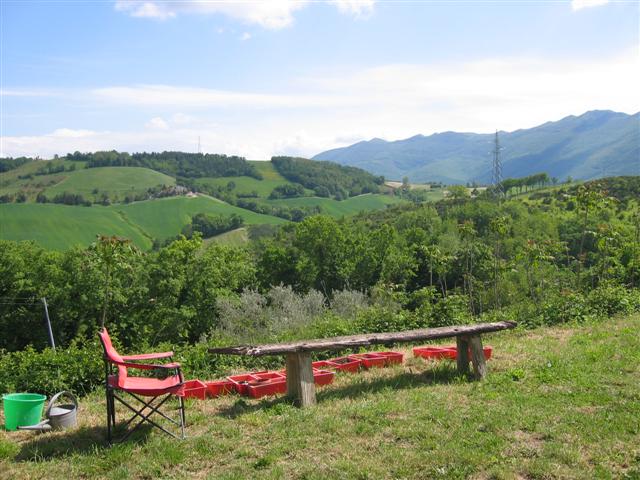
[595, 144]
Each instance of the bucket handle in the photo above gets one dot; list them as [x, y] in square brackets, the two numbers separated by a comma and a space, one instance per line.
[53, 400]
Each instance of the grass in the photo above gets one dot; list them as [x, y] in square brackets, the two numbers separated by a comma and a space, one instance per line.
[60, 227]
[237, 237]
[245, 185]
[115, 181]
[10, 183]
[335, 208]
[558, 403]
[165, 217]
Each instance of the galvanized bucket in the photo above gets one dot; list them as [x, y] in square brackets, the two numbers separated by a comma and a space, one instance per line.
[59, 417]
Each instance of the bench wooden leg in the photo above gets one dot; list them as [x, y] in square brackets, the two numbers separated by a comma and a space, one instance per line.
[462, 344]
[300, 383]
[477, 357]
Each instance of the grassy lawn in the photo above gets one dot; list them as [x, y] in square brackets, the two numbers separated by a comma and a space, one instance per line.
[557, 403]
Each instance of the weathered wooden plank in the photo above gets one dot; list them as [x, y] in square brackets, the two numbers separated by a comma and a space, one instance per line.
[340, 343]
[477, 357]
[300, 383]
[462, 358]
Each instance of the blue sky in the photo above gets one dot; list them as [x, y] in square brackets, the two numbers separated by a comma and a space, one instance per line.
[265, 78]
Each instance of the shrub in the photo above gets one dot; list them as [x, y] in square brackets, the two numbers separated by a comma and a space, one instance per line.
[77, 369]
[568, 306]
[609, 299]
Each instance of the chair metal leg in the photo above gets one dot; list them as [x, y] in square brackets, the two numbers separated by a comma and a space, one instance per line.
[182, 416]
[110, 415]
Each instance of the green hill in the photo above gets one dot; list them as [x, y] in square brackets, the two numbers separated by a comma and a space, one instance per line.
[115, 181]
[336, 208]
[60, 226]
[247, 185]
[165, 217]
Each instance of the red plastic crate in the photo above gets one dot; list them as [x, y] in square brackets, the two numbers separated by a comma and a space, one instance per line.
[450, 352]
[345, 364]
[392, 357]
[267, 386]
[241, 382]
[194, 389]
[322, 377]
[268, 375]
[435, 353]
[323, 364]
[219, 387]
[369, 360]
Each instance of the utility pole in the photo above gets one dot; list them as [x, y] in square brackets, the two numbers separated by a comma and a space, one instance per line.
[496, 178]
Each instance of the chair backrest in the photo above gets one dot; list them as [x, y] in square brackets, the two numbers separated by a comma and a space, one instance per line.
[111, 355]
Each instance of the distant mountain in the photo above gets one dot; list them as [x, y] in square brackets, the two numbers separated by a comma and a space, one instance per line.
[595, 144]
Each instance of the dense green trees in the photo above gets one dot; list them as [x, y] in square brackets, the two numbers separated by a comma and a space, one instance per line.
[457, 259]
[177, 164]
[327, 178]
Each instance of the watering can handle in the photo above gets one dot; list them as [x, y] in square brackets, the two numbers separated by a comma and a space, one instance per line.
[53, 400]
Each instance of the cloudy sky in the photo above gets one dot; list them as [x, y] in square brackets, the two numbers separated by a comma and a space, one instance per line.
[280, 77]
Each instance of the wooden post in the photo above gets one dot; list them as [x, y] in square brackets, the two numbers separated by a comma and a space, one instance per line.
[462, 344]
[300, 383]
[477, 357]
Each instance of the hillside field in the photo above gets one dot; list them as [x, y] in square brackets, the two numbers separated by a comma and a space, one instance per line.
[115, 181]
[60, 226]
[335, 208]
[560, 402]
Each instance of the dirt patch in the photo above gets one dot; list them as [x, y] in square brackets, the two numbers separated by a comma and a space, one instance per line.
[525, 444]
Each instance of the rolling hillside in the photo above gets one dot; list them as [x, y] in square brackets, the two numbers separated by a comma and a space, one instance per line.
[592, 145]
[336, 208]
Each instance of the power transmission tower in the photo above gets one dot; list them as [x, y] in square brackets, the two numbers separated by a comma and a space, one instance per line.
[496, 178]
[199, 149]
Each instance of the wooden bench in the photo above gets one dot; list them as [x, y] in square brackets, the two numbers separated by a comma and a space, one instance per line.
[300, 384]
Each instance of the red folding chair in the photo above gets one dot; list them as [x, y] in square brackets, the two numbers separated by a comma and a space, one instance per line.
[140, 388]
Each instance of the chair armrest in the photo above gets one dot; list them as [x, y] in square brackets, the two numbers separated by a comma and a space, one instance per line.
[147, 366]
[147, 356]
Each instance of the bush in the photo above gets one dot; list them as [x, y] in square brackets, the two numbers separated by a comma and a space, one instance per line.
[608, 299]
[78, 369]
[568, 306]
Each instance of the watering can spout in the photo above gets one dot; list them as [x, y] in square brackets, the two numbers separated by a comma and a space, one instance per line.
[43, 426]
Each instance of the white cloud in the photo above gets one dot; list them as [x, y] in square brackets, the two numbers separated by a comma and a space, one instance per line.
[337, 108]
[157, 123]
[582, 4]
[272, 14]
[357, 8]
[245, 36]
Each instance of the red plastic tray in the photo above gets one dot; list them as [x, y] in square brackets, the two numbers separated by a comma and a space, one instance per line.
[268, 375]
[369, 360]
[345, 364]
[194, 389]
[323, 364]
[241, 381]
[267, 386]
[219, 387]
[392, 357]
[322, 377]
[450, 352]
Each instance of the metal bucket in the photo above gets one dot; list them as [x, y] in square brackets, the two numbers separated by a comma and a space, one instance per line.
[59, 417]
